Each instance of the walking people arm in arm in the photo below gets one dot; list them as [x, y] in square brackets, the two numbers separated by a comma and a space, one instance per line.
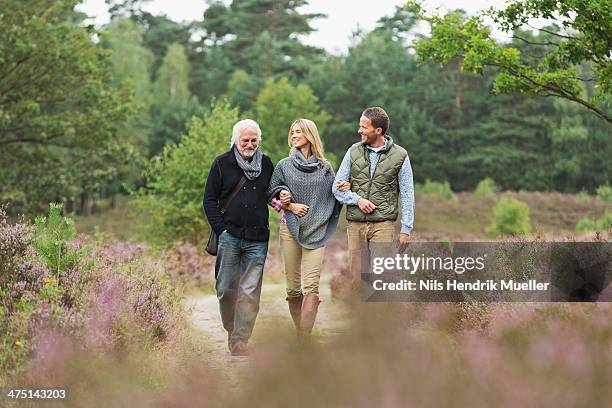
[341, 187]
[298, 209]
[279, 190]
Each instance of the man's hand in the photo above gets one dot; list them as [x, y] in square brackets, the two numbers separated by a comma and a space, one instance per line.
[366, 206]
[343, 186]
[298, 209]
[404, 238]
[285, 197]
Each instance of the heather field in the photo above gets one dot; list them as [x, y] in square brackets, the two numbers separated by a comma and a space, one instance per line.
[132, 324]
[115, 120]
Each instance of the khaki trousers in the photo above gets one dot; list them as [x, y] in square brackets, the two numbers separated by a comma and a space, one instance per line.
[361, 236]
[302, 266]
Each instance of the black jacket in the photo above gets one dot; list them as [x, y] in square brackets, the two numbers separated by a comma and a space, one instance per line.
[247, 214]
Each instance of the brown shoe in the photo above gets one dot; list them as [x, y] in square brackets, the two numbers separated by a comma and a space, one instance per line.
[295, 308]
[310, 306]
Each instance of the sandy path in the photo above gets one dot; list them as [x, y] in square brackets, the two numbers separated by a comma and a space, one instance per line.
[273, 315]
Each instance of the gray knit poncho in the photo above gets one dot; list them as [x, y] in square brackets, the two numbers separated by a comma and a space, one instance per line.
[309, 182]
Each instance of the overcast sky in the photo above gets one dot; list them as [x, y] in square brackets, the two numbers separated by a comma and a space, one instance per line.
[333, 32]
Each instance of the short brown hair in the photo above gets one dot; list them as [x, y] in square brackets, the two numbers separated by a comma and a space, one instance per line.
[379, 118]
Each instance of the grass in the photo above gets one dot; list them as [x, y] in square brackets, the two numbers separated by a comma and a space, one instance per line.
[119, 222]
[435, 218]
[550, 213]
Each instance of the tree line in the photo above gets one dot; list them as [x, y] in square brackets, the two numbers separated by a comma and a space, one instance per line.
[83, 112]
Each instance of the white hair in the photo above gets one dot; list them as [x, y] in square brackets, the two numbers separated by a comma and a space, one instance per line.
[245, 124]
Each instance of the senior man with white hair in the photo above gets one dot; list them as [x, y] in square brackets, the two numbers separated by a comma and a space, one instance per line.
[235, 203]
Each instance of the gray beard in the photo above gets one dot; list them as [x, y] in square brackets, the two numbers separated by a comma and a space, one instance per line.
[246, 154]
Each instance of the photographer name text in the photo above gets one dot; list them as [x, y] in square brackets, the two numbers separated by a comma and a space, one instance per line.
[454, 285]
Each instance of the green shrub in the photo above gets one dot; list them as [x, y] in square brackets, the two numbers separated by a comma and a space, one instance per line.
[585, 224]
[278, 104]
[51, 241]
[486, 187]
[510, 217]
[583, 196]
[605, 193]
[605, 222]
[437, 188]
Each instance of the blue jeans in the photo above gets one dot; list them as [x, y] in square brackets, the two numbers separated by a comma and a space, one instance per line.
[239, 270]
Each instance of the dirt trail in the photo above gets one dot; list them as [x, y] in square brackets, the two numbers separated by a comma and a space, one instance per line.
[273, 314]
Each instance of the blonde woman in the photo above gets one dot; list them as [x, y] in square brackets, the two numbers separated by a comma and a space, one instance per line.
[303, 182]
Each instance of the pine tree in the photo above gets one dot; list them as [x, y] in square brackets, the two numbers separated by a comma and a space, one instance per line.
[259, 37]
[172, 104]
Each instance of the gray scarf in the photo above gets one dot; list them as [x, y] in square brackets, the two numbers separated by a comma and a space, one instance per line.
[251, 169]
[307, 165]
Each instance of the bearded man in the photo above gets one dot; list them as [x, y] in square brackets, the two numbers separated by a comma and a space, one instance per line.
[235, 204]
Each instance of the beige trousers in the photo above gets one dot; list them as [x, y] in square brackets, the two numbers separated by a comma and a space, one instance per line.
[360, 237]
[302, 266]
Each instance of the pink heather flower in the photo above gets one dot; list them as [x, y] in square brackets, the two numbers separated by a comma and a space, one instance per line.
[51, 350]
[276, 204]
[106, 311]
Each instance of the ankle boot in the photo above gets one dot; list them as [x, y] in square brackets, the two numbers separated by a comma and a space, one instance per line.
[295, 308]
[310, 306]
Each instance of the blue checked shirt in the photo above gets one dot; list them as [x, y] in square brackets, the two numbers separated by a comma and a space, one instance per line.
[406, 186]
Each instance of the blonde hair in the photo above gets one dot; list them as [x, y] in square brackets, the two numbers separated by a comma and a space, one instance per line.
[309, 129]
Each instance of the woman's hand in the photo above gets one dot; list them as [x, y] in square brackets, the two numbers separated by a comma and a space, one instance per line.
[298, 209]
[285, 197]
[343, 186]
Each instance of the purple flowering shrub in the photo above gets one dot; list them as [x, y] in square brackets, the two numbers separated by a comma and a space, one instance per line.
[27, 292]
[187, 265]
[101, 296]
[133, 294]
